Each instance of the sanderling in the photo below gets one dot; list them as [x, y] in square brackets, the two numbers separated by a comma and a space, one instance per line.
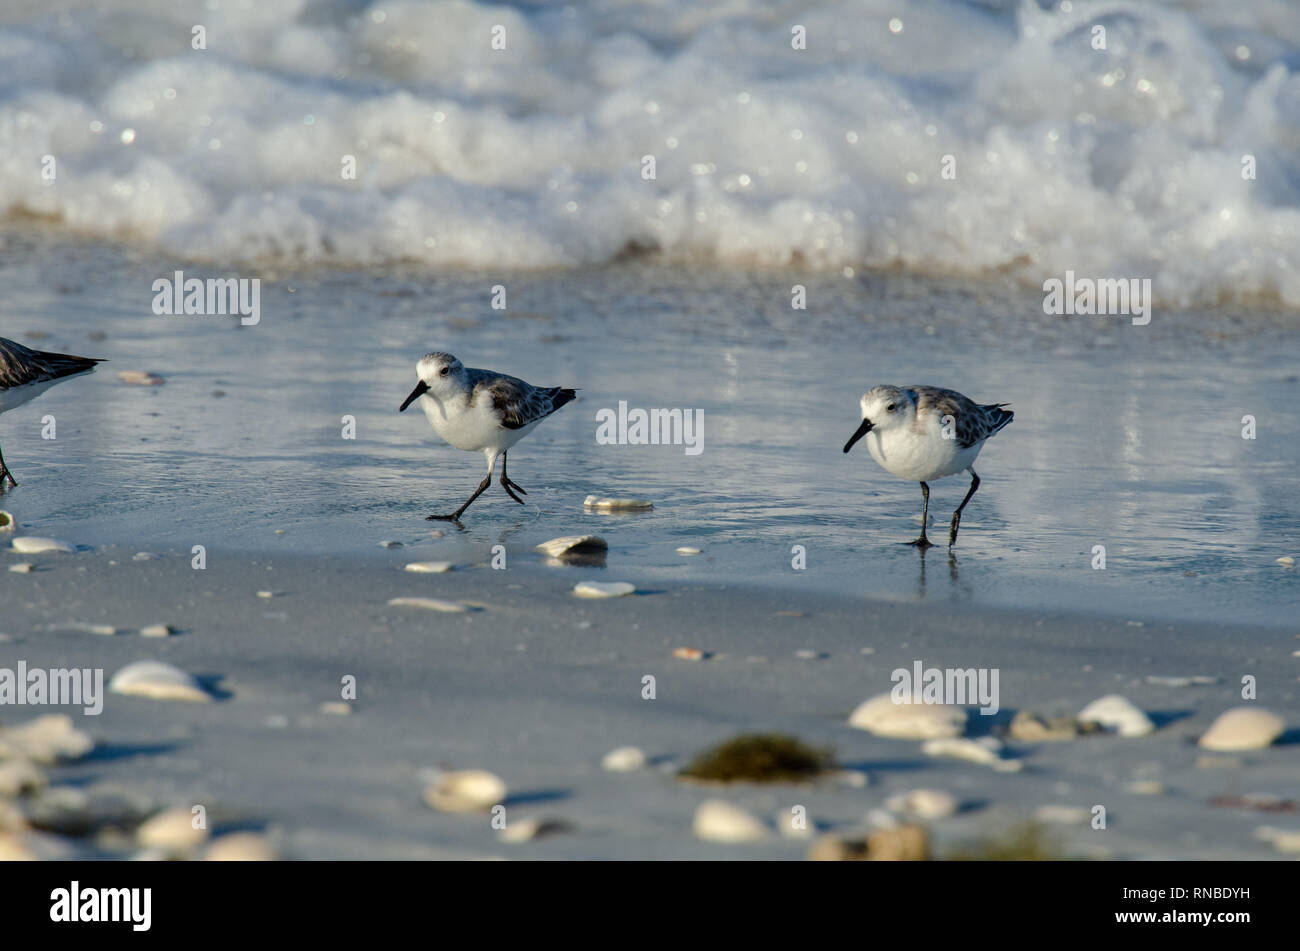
[925, 432]
[26, 374]
[481, 411]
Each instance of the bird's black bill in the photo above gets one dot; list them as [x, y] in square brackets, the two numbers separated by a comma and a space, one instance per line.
[420, 389]
[862, 431]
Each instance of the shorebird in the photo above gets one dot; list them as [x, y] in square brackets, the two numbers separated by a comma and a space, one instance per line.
[481, 411]
[25, 374]
[924, 433]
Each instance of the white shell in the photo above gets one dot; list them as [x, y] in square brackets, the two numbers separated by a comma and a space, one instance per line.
[31, 545]
[240, 847]
[45, 740]
[603, 589]
[573, 543]
[157, 681]
[625, 759]
[534, 827]
[140, 378]
[171, 830]
[924, 803]
[428, 567]
[18, 776]
[984, 751]
[908, 721]
[605, 504]
[1243, 728]
[1117, 713]
[719, 821]
[432, 604]
[466, 790]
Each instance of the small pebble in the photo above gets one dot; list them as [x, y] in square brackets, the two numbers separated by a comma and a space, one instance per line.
[145, 556]
[1286, 560]
[157, 630]
[603, 589]
[390, 544]
[336, 707]
[266, 594]
[1147, 787]
[687, 550]
[22, 568]
[7, 521]
[689, 653]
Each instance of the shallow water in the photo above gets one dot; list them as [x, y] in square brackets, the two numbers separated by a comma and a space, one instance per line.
[1124, 436]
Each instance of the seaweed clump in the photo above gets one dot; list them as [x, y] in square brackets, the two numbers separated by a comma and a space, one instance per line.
[760, 758]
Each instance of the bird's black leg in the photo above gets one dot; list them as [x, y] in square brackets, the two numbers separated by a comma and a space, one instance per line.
[5, 473]
[923, 543]
[507, 483]
[455, 516]
[956, 516]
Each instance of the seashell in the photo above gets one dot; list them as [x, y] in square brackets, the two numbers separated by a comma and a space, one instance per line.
[534, 827]
[31, 545]
[985, 752]
[908, 721]
[7, 522]
[833, 848]
[171, 830]
[1063, 815]
[45, 739]
[1119, 714]
[157, 630]
[1243, 728]
[687, 550]
[18, 776]
[466, 790]
[157, 681]
[83, 627]
[625, 759]
[575, 544]
[240, 847]
[431, 604]
[606, 504]
[603, 589]
[428, 567]
[924, 803]
[140, 378]
[719, 821]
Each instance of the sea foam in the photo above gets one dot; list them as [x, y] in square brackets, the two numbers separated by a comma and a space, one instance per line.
[1122, 162]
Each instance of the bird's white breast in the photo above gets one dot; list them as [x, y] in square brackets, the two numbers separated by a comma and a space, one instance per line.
[470, 427]
[919, 456]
